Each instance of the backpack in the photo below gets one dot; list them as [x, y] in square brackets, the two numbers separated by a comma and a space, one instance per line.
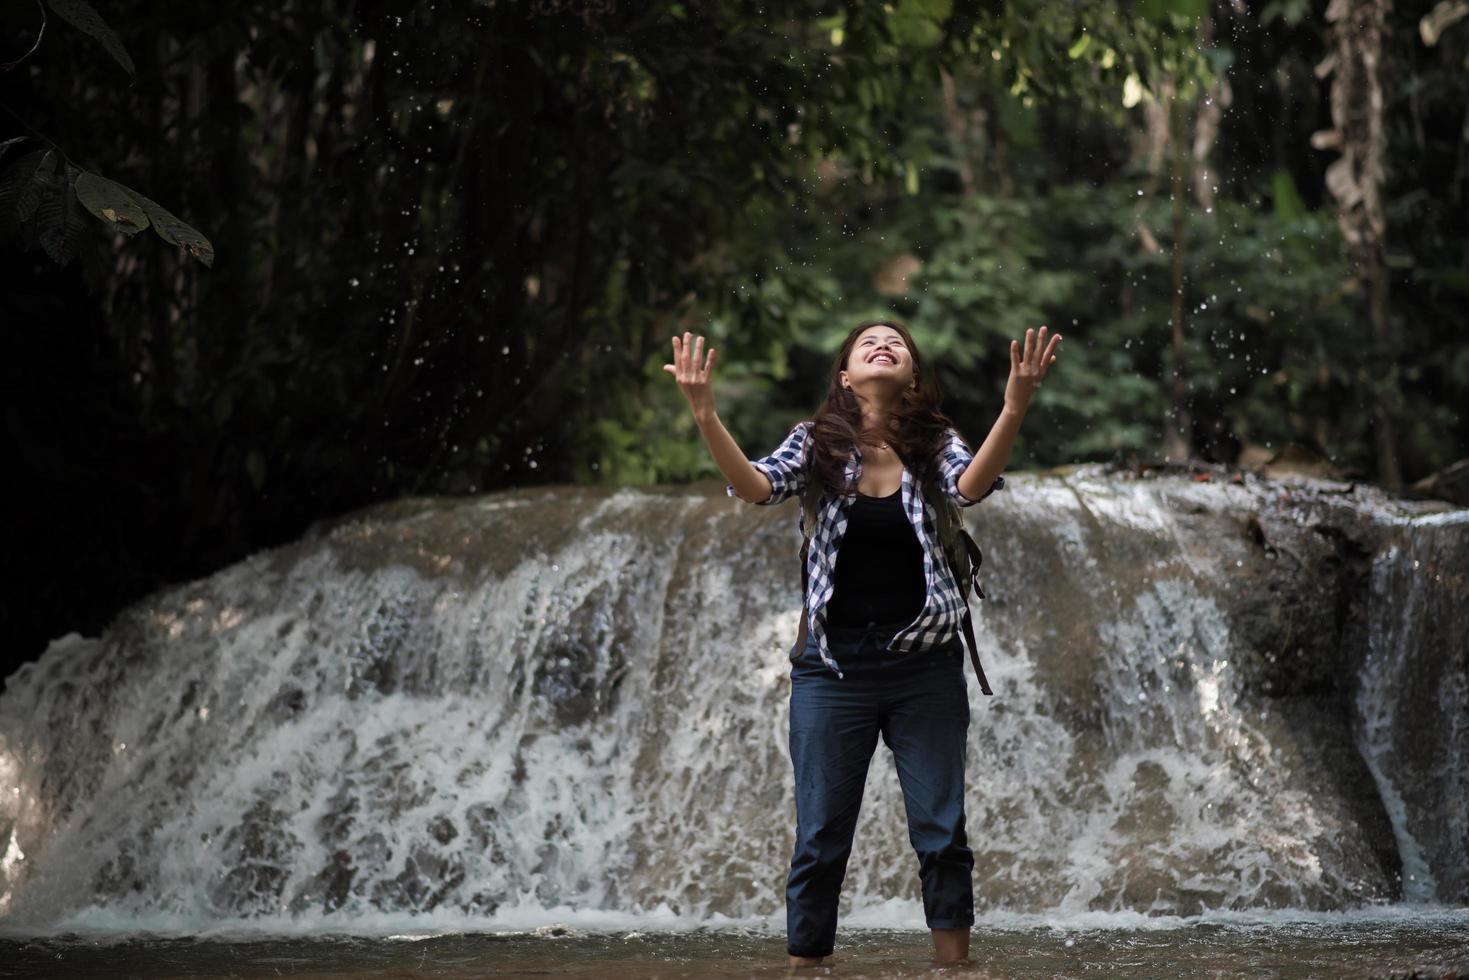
[959, 550]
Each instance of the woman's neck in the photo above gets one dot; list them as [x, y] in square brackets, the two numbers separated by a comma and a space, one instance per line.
[877, 429]
[877, 398]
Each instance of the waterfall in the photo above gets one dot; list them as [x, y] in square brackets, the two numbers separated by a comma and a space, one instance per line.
[1207, 696]
[1412, 710]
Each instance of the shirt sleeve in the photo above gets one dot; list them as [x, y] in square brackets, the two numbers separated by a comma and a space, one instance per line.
[954, 459]
[785, 467]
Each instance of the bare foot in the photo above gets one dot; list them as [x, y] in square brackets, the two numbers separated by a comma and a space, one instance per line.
[951, 945]
[806, 960]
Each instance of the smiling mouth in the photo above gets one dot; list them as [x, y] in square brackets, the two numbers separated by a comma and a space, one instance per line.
[882, 357]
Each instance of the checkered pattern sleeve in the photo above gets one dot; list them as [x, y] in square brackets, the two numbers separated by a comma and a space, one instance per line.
[953, 460]
[785, 467]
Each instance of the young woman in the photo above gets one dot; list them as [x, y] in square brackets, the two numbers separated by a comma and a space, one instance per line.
[882, 654]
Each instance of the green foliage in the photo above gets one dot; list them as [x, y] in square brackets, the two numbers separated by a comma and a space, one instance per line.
[41, 203]
[84, 17]
[37, 204]
[1288, 204]
[1290, 11]
[46, 199]
[1258, 285]
[1175, 14]
[918, 23]
[461, 236]
[1273, 337]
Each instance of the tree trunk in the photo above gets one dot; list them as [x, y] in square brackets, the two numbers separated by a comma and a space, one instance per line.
[1178, 433]
[1356, 179]
[1209, 114]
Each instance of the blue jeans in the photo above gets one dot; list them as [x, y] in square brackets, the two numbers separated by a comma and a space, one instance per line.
[919, 702]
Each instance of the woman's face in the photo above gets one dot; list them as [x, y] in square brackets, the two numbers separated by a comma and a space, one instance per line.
[879, 357]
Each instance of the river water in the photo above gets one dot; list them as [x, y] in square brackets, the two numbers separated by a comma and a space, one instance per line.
[1390, 941]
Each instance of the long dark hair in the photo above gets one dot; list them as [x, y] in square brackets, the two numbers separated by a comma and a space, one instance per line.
[916, 427]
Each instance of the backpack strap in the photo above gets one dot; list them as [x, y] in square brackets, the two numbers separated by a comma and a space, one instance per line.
[968, 623]
[975, 557]
[964, 557]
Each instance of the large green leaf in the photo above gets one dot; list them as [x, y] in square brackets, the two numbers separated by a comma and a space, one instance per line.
[175, 231]
[124, 209]
[111, 202]
[84, 17]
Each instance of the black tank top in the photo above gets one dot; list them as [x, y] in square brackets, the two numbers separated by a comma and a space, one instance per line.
[879, 568]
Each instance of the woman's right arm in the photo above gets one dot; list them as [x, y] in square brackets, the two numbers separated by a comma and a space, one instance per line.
[781, 474]
[764, 481]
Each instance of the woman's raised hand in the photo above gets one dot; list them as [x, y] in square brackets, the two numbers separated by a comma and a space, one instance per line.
[1028, 367]
[692, 375]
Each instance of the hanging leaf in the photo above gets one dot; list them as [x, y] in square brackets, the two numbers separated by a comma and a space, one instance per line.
[31, 193]
[111, 202]
[124, 209]
[176, 232]
[84, 17]
[13, 181]
[58, 219]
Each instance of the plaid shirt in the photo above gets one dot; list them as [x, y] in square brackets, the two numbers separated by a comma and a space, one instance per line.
[944, 605]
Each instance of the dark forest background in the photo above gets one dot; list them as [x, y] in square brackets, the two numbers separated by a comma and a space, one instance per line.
[265, 263]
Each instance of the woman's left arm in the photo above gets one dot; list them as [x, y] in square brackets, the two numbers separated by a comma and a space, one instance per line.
[1028, 368]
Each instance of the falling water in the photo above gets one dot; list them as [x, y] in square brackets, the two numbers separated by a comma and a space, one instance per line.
[546, 704]
[1413, 702]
